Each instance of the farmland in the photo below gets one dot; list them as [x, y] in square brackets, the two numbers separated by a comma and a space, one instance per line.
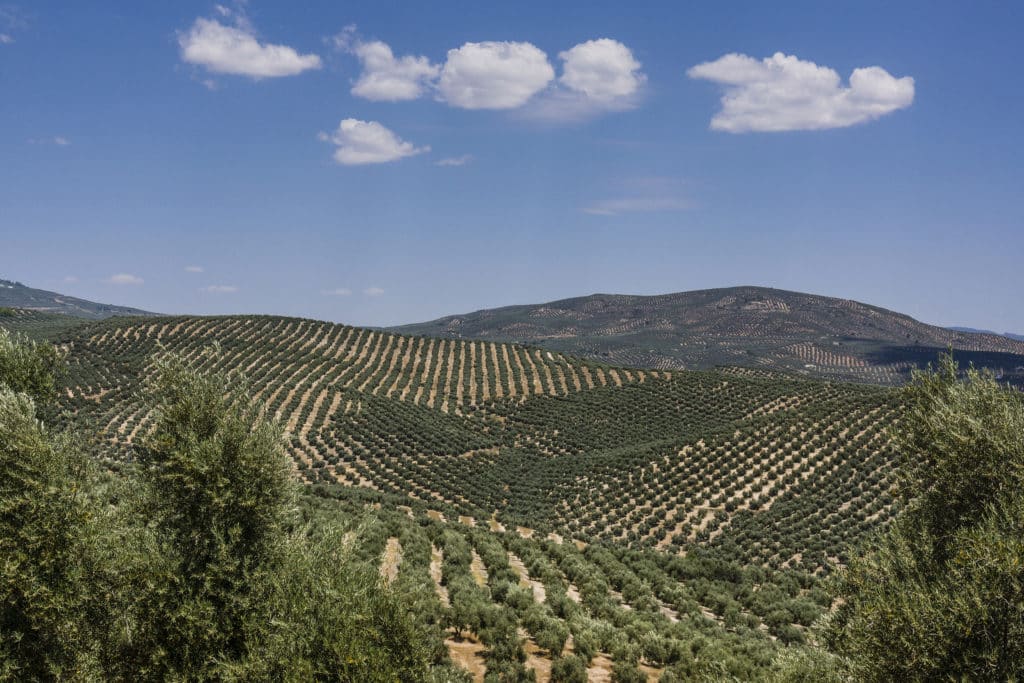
[543, 508]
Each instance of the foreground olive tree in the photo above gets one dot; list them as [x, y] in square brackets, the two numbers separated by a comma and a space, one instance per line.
[193, 566]
[941, 594]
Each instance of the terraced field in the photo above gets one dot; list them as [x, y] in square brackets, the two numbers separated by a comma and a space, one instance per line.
[547, 512]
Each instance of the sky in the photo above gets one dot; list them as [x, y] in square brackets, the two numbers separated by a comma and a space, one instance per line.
[382, 163]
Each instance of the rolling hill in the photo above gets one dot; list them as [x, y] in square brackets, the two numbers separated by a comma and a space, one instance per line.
[759, 327]
[663, 519]
[530, 437]
[16, 295]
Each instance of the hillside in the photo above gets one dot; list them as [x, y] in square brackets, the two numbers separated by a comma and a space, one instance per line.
[16, 295]
[758, 327]
[640, 511]
[648, 458]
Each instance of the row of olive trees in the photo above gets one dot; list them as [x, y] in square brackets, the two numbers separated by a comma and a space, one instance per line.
[939, 596]
[195, 566]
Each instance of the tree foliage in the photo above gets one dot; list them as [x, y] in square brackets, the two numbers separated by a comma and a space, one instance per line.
[941, 594]
[206, 573]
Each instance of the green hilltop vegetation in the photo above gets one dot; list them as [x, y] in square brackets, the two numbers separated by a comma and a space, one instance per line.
[773, 329]
[520, 514]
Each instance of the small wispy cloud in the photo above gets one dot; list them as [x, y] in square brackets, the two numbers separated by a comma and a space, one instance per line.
[12, 20]
[58, 140]
[339, 291]
[193, 269]
[70, 279]
[124, 279]
[219, 289]
[455, 161]
[373, 291]
[613, 207]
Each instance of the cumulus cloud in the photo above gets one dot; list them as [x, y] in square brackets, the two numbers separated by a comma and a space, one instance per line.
[339, 291]
[368, 142]
[455, 161]
[597, 76]
[373, 291]
[390, 79]
[235, 49]
[193, 269]
[494, 75]
[5, 39]
[124, 279]
[782, 93]
[604, 70]
[613, 207]
[219, 289]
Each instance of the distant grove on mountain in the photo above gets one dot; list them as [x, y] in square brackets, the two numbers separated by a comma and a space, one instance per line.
[16, 295]
[759, 327]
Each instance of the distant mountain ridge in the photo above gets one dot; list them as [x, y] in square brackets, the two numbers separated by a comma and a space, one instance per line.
[16, 295]
[748, 326]
[1009, 335]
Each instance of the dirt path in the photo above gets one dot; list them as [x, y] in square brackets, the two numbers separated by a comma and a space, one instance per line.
[468, 653]
[392, 558]
[436, 558]
[536, 659]
[478, 570]
[539, 594]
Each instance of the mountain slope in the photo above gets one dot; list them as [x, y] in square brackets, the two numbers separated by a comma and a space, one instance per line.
[744, 326]
[16, 295]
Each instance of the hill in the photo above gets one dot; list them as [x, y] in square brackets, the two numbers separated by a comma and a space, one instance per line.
[1008, 335]
[644, 512]
[16, 295]
[758, 327]
[530, 437]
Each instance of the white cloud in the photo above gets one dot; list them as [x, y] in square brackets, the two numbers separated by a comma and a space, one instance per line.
[604, 70]
[340, 291]
[193, 269]
[597, 76]
[613, 207]
[373, 291]
[368, 142]
[235, 50]
[494, 75]
[5, 39]
[455, 161]
[385, 78]
[61, 141]
[70, 279]
[219, 289]
[782, 92]
[124, 279]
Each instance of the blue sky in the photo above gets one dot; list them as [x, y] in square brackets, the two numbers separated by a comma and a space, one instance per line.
[512, 153]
